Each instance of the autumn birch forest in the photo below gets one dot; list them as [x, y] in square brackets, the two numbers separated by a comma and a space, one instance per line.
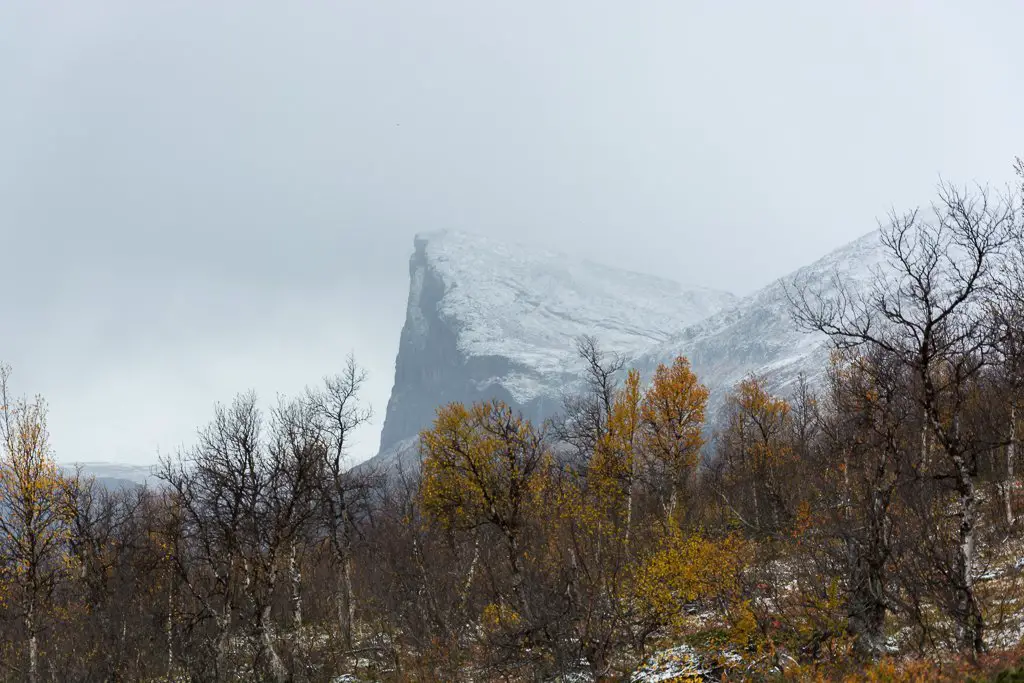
[863, 523]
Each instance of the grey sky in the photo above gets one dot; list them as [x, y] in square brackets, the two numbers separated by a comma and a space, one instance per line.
[197, 198]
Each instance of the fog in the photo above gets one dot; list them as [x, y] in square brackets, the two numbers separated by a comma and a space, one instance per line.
[201, 198]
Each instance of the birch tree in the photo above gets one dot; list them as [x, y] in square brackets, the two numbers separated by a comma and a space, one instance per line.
[925, 308]
[343, 491]
[35, 516]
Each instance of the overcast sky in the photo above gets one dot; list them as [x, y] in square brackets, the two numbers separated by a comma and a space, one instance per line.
[197, 198]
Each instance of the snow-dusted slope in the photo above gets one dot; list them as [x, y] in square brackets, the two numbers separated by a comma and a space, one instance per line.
[758, 335]
[487, 319]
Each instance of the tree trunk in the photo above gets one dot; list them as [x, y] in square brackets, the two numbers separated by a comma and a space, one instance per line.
[970, 624]
[673, 501]
[597, 657]
[629, 514]
[276, 667]
[464, 598]
[757, 505]
[1011, 448]
[350, 605]
[169, 628]
[33, 643]
[858, 614]
[867, 609]
[295, 573]
[343, 598]
[260, 592]
[922, 462]
[868, 605]
[343, 558]
[223, 640]
[629, 499]
[517, 575]
[773, 498]
[428, 607]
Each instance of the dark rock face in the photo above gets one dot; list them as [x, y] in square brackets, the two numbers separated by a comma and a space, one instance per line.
[430, 370]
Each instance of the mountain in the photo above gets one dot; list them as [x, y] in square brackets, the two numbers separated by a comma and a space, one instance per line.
[113, 475]
[491, 320]
[487, 319]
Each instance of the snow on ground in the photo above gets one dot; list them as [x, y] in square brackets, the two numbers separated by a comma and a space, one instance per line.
[675, 664]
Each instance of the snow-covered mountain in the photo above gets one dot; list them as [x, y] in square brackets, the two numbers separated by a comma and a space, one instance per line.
[491, 320]
[487, 319]
[113, 475]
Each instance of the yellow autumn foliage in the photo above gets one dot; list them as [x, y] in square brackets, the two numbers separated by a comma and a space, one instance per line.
[34, 493]
[687, 569]
[497, 617]
[613, 463]
[482, 464]
[673, 416]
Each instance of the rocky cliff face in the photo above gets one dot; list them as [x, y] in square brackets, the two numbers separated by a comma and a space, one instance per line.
[431, 369]
[489, 320]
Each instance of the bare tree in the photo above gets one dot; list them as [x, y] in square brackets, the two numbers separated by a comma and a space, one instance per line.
[926, 311]
[244, 498]
[867, 421]
[585, 414]
[338, 412]
[104, 533]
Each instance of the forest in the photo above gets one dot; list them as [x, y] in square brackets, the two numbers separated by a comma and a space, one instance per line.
[861, 524]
